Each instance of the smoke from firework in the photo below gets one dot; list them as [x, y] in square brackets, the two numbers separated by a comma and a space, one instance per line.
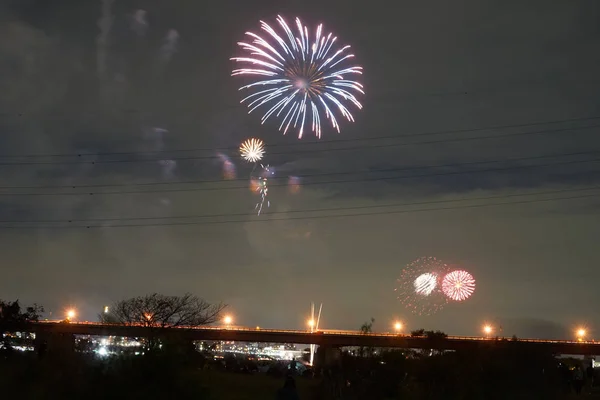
[139, 24]
[102, 41]
[169, 46]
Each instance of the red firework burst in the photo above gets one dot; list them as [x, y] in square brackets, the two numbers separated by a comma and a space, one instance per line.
[458, 285]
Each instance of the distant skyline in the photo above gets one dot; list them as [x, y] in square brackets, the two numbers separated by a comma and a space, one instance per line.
[76, 81]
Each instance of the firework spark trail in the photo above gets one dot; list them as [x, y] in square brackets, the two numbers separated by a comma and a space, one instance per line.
[297, 76]
[458, 285]
[261, 186]
[102, 41]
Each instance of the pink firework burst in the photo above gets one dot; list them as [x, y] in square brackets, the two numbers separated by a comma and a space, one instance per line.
[458, 285]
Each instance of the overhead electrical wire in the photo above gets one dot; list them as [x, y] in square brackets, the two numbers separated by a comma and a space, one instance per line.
[312, 151]
[313, 210]
[370, 171]
[329, 182]
[315, 217]
[320, 142]
[332, 212]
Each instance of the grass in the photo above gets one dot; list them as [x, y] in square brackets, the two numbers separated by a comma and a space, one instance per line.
[234, 386]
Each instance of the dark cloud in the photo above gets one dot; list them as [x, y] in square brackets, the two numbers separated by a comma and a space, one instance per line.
[430, 66]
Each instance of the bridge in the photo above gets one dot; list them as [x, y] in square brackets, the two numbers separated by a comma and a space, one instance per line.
[328, 338]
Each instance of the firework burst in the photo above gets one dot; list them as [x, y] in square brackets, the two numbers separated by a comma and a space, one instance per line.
[425, 283]
[252, 150]
[458, 285]
[419, 286]
[299, 77]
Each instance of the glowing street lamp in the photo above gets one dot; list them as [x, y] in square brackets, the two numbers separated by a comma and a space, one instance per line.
[487, 329]
[398, 326]
[70, 314]
[581, 332]
[227, 320]
[311, 323]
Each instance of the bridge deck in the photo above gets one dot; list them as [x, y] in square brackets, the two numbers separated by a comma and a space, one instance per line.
[322, 337]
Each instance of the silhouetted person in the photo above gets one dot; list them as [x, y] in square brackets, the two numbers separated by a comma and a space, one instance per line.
[288, 391]
[293, 365]
[565, 375]
[578, 379]
[590, 374]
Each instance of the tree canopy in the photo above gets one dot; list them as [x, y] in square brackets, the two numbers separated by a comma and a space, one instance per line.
[13, 317]
[158, 310]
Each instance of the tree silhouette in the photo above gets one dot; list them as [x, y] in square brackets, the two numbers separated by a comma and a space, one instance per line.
[11, 315]
[436, 340]
[418, 332]
[13, 318]
[436, 335]
[157, 310]
[365, 329]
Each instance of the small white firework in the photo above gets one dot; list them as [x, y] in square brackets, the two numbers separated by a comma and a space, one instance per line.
[252, 150]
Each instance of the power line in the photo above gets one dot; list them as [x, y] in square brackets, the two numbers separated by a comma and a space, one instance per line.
[314, 210]
[472, 206]
[375, 179]
[450, 140]
[442, 132]
[371, 171]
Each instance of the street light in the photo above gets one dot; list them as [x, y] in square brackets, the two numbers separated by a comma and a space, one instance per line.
[71, 314]
[311, 323]
[581, 332]
[227, 320]
[398, 326]
[487, 329]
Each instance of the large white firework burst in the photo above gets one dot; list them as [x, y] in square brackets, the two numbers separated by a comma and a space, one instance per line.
[298, 77]
[425, 283]
[252, 150]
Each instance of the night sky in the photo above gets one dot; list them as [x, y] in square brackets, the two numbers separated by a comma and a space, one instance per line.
[437, 74]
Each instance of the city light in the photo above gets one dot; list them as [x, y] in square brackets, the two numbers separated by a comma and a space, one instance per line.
[487, 329]
[70, 314]
[227, 320]
[398, 326]
[311, 323]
